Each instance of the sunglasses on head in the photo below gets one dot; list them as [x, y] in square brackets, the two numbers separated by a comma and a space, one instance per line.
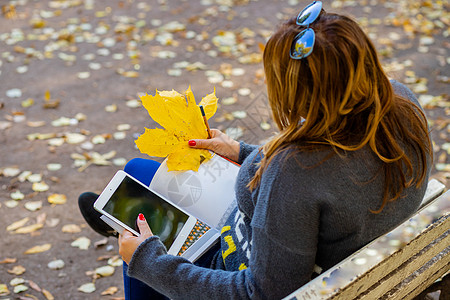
[303, 43]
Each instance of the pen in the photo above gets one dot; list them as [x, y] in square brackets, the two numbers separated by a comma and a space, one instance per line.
[206, 121]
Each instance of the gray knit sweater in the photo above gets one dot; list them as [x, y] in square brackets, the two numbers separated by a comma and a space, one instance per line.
[304, 213]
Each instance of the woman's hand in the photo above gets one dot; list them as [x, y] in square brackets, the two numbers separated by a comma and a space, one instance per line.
[128, 242]
[219, 143]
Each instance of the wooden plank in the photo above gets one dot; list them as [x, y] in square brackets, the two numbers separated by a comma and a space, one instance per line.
[392, 262]
[427, 282]
[367, 260]
[415, 263]
[422, 279]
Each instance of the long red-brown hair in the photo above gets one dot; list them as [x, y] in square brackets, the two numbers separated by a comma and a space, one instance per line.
[347, 103]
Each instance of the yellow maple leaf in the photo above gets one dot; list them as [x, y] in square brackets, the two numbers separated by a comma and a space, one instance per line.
[182, 121]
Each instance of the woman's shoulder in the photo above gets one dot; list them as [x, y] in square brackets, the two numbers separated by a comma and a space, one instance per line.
[403, 91]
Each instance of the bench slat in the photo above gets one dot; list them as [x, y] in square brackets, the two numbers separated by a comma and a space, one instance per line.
[417, 259]
[357, 273]
[417, 283]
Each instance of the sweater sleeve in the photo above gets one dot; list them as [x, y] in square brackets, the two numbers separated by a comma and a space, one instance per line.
[245, 150]
[177, 278]
[284, 238]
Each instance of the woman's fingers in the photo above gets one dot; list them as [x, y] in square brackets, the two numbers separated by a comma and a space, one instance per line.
[219, 143]
[144, 228]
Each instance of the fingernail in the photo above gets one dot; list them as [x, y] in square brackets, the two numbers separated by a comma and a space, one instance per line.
[141, 217]
[192, 143]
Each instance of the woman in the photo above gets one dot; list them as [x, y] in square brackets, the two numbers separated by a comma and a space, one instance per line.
[351, 161]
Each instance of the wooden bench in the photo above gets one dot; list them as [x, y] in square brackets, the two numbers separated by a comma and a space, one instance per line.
[398, 265]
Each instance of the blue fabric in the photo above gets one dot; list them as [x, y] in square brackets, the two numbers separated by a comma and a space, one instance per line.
[142, 169]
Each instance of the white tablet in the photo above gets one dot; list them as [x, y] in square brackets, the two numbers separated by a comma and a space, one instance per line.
[125, 197]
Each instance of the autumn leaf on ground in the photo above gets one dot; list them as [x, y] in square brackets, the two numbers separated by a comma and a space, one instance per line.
[17, 270]
[182, 120]
[38, 249]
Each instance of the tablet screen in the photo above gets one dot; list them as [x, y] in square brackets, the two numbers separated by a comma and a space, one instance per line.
[131, 198]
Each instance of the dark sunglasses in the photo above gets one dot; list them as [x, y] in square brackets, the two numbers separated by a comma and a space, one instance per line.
[303, 43]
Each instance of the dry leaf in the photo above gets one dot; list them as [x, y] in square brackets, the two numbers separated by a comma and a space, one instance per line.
[3, 289]
[57, 199]
[101, 242]
[56, 264]
[17, 224]
[71, 228]
[40, 186]
[39, 249]
[20, 288]
[115, 261]
[82, 243]
[110, 291]
[17, 270]
[87, 288]
[105, 271]
[34, 286]
[16, 281]
[29, 229]
[8, 261]
[47, 294]
[17, 195]
[33, 205]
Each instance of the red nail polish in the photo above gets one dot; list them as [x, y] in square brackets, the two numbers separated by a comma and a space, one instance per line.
[141, 217]
[192, 143]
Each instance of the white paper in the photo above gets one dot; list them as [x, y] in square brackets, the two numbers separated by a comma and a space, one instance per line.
[208, 194]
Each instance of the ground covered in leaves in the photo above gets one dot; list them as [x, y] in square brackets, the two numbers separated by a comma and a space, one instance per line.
[71, 73]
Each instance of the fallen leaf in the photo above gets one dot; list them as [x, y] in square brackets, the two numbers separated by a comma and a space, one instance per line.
[39, 249]
[87, 288]
[57, 199]
[29, 229]
[17, 195]
[34, 286]
[20, 288]
[110, 291]
[47, 294]
[11, 203]
[115, 261]
[33, 205]
[10, 171]
[17, 224]
[56, 264]
[101, 242]
[71, 228]
[54, 167]
[17, 270]
[105, 271]
[40, 186]
[34, 178]
[3, 289]
[8, 261]
[17, 281]
[81, 243]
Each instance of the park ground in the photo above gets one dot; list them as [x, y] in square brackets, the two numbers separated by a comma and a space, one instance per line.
[72, 71]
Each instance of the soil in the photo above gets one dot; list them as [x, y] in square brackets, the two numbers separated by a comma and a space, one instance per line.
[59, 36]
